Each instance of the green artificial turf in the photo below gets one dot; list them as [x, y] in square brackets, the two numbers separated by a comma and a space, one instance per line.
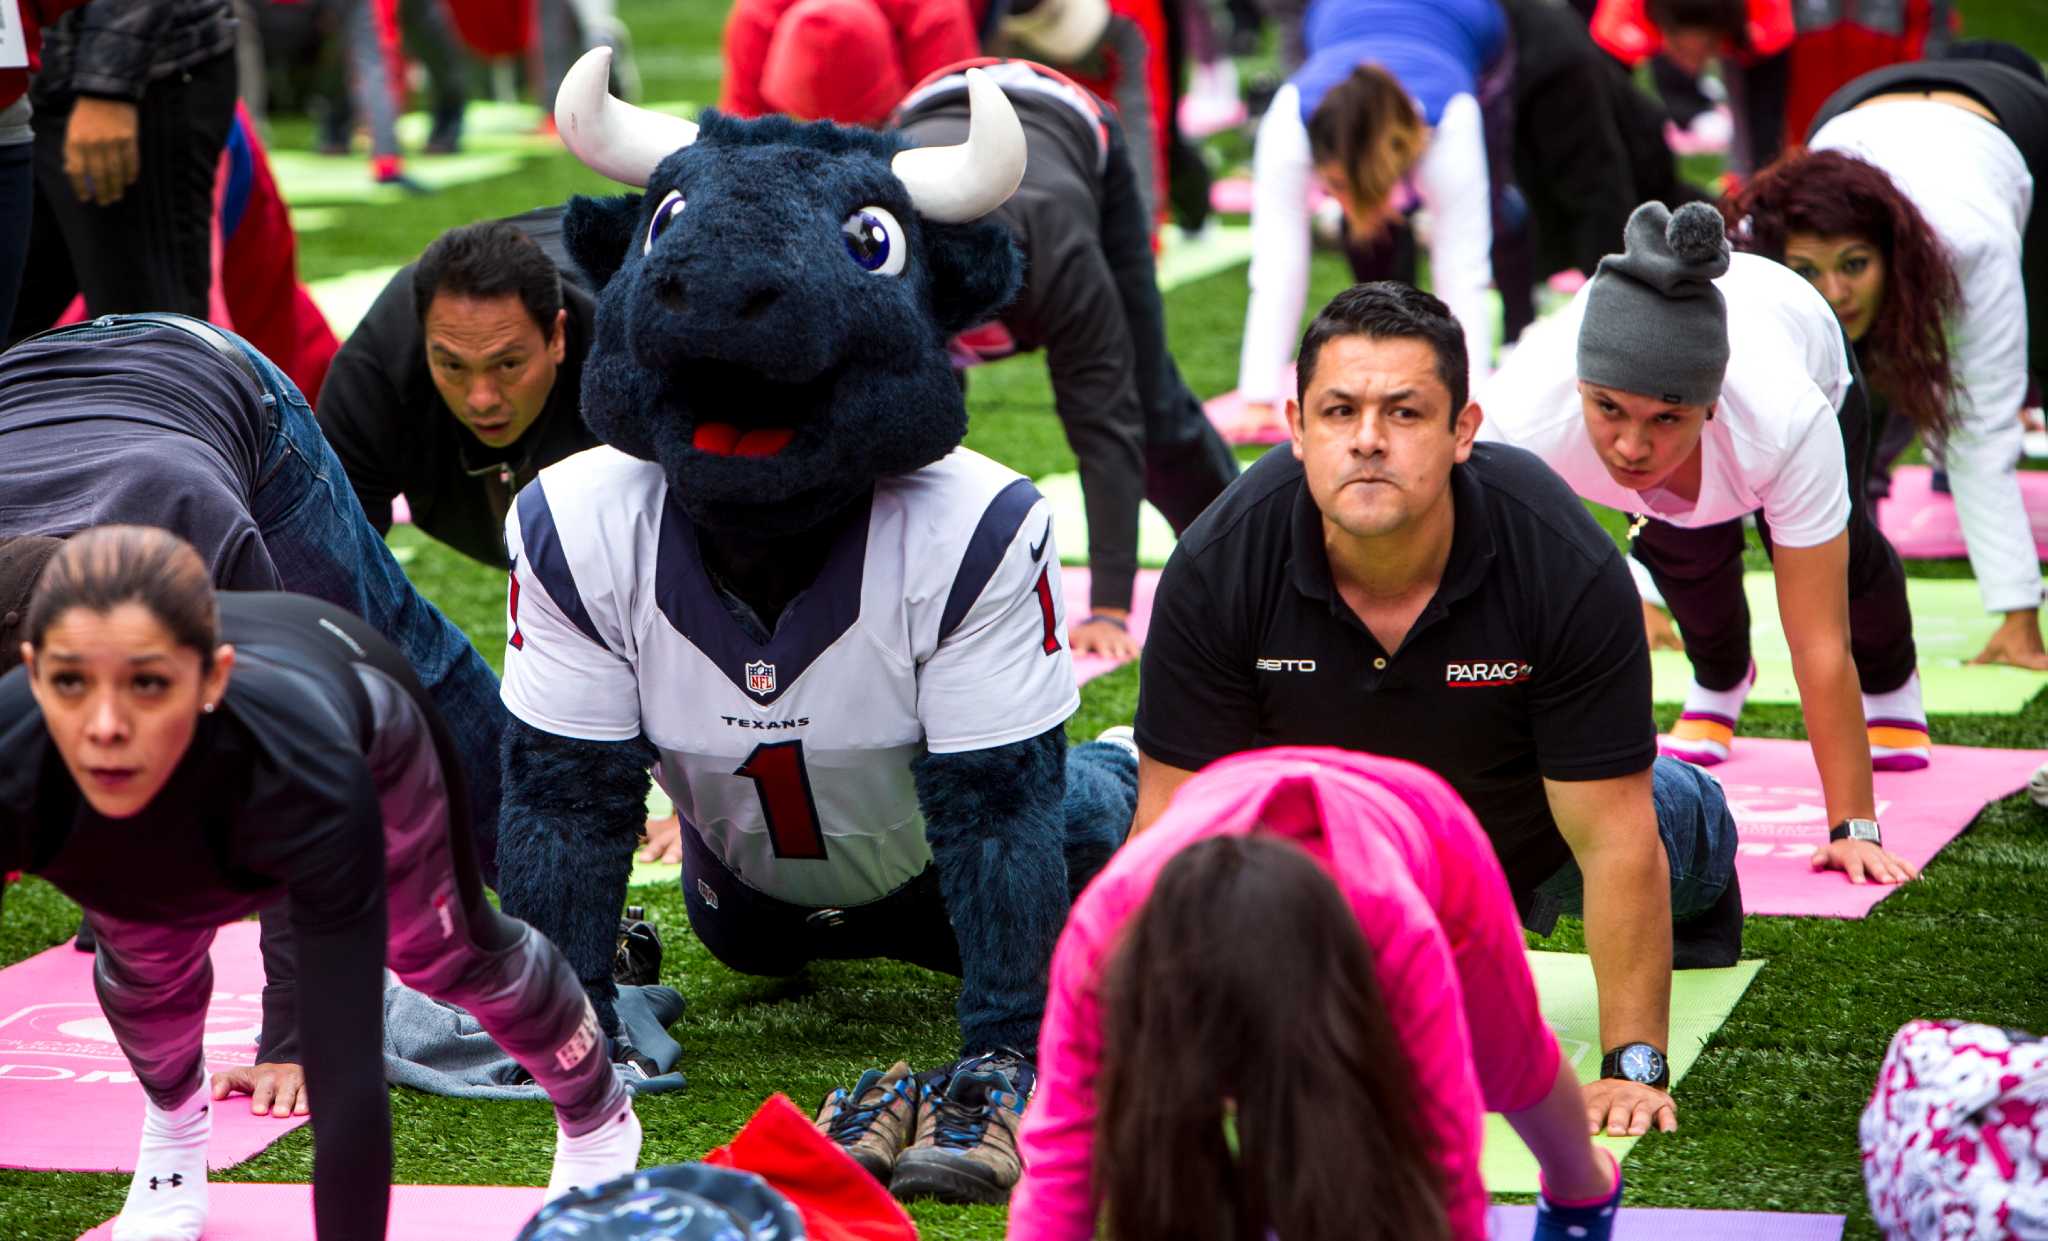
[1769, 1111]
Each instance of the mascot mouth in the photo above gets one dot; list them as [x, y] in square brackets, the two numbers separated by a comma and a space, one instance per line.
[756, 416]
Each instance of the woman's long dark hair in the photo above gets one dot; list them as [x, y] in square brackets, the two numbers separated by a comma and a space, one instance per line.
[1905, 353]
[1244, 989]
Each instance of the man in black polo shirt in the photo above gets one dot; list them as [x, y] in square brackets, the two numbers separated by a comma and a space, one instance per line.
[463, 381]
[1389, 586]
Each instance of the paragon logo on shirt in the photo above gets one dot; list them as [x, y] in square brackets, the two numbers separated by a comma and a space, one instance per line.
[1484, 672]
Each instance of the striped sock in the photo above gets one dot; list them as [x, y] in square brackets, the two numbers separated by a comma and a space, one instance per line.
[1706, 728]
[1898, 728]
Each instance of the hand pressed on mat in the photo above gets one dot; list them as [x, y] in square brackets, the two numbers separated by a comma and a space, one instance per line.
[1623, 1108]
[1103, 632]
[664, 840]
[273, 1089]
[1864, 862]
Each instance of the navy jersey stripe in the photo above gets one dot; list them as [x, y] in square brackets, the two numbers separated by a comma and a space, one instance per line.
[810, 623]
[992, 538]
[544, 552]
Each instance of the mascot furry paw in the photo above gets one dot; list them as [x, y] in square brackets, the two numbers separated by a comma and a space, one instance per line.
[835, 634]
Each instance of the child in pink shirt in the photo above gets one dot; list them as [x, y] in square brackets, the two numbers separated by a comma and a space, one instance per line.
[1264, 1054]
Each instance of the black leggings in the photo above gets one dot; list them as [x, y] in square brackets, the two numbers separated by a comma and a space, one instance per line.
[1699, 572]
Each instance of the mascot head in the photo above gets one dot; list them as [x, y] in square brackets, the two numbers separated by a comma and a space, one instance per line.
[774, 309]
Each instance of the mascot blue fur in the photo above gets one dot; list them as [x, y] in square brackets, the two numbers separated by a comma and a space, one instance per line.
[771, 332]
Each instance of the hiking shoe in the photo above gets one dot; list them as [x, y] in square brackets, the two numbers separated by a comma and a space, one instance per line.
[1712, 938]
[872, 1122]
[967, 1118]
[637, 963]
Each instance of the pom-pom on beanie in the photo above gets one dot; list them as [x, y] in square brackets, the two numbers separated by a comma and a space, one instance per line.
[1655, 324]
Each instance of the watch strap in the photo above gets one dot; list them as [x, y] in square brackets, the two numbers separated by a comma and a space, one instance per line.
[1847, 830]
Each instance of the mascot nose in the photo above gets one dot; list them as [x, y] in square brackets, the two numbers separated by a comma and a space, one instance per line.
[759, 301]
[670, 292]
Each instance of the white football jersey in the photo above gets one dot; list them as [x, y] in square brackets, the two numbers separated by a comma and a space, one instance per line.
[935, 624]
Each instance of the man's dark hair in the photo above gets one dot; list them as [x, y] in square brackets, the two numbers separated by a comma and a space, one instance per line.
[1383, 309]
[487, 260]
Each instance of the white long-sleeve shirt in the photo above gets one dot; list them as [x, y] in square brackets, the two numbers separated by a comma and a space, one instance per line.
[1451, 181]
[1972, 185]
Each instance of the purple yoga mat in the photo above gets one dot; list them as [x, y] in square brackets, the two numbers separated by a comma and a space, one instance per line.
[1774, 791]
[1515, 1223]
[69, 1100]
[1921, 522]
[418, 1213]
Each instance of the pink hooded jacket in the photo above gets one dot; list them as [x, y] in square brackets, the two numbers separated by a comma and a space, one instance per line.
[1431, 902]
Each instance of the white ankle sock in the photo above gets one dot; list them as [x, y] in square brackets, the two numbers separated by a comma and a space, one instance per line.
[167, 1197]
[610, 1150]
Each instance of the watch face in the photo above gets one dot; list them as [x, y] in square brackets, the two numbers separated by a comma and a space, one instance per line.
[1641, 1063]
[1862, 829]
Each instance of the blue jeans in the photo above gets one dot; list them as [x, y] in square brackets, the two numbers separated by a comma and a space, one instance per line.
[1699, 842]
[323, 545]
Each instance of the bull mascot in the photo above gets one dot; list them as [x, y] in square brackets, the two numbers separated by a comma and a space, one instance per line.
[835, 636]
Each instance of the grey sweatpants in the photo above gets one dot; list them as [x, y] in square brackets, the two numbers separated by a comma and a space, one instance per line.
[154, 981]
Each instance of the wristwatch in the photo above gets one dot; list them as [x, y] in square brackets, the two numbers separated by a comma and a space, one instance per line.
[1856, 829]
[1637, 1062]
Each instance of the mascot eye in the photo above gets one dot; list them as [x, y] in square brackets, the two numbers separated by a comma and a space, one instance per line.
[664, 215]
[875, 240]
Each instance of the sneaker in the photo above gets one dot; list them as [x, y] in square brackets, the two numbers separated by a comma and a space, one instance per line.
[1712, 939]
[1123, 736]
[967, 1118]
[872, 1122]
[2037, 786]
[637, 962]
[1705, 730]
[1897, 726]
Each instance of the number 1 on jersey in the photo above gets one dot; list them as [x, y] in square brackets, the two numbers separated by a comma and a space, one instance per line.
[783, 784]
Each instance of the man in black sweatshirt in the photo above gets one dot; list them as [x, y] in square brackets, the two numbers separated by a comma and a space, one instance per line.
[1091, 301]
[462, 382]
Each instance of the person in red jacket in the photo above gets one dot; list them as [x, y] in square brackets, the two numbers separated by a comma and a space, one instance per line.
[817, 59]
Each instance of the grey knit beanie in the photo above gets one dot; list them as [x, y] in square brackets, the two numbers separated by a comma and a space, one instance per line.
[1655, 324]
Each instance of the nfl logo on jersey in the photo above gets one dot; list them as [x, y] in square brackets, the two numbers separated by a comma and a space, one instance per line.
[761, 677]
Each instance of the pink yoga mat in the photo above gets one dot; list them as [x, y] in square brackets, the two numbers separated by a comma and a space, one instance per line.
[70, 1102]
[1233, 196]
[1774, 792]
[418, 1213]
[1513, 1223]
[1075, 583]
[1921, 522]
[1225, 411]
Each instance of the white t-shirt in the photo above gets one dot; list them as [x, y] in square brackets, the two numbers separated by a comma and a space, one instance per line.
[937, 625]
[1773, 444]
[1451, 181]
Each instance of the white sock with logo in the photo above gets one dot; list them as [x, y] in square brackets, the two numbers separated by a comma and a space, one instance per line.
[611, 1150]
[167, 1196]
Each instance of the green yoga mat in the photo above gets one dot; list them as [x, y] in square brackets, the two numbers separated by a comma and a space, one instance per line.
[1070, 524]
[1184, 259]
[658, 807]
[304, 178]
[346, 299]
[1700, 1001]
[1949, 625]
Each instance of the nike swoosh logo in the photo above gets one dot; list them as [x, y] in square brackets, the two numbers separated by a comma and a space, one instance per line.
[1043, 539]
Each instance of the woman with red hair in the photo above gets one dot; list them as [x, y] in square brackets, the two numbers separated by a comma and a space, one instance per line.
[1844, 226]
[1283, 1010]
